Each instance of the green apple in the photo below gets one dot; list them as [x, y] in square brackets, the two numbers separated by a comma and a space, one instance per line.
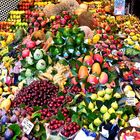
[103, 109]
[29, 60]
[97, 122]
[91, 106]
[107, 97]
[109, 91]
[38, 54]
[117, 95]
[111, 110]
[41, 65]
[125, 117]
[114, 105]
[101, 93]
[106, 116]
[28, 73]
[93, 97]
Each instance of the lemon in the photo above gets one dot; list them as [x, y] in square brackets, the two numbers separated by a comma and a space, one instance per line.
[134, 38]
[96, 38]
[1, 90]
[137, 47]
[132, 34]
[52, 17]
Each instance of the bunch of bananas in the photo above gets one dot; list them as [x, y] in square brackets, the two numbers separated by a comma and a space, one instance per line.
[60, 76]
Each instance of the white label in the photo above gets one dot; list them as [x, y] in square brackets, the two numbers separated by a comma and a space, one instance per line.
[137, 65]
[130, 101]
[27, 126]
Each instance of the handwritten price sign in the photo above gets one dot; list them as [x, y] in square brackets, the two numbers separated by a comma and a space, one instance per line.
[27, 126]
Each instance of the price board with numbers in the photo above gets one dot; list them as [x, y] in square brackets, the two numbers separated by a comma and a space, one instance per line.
[27, 126]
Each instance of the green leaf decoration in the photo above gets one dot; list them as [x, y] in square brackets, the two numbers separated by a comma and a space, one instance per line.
[60, 116]
[36, 115]
[22, 105]
[74, 117]
[16, 129]
[99, 104]
[41, 133]
[36, 108]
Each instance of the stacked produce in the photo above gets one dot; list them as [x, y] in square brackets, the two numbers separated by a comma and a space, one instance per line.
[68, 69]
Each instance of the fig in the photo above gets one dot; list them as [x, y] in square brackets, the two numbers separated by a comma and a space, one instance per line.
[8, 134]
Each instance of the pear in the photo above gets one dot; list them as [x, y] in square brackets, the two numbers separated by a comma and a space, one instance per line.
[101, 93]
[103, 109]
[91, 106]
[93, 97]
[107, 97]
[38, 54]
[117, 95]
[125, 117]
[97, 122]
[91, 127]
[100, 99]
[106, 116]
[111, 110]
[114, 105]
[109, 91]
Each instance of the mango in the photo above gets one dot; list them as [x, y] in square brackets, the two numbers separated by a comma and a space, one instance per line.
[88, 60]
[6, 104]
[96, 68]
[83, 72]
[103, 78]
[92, 79]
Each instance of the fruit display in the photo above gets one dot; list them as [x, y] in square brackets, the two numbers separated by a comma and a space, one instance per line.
[69, 71]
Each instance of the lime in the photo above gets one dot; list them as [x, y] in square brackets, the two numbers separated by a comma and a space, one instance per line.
[67, 32]
[58, 41]
[75, 30]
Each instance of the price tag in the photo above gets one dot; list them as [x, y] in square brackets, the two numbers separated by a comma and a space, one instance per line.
[27, 126]
[130, 101]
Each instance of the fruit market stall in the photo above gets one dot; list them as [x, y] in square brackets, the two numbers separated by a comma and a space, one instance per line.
[69, 71]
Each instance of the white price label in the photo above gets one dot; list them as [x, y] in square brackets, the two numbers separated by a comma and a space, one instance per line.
[130, 101]
[137, 65]
[27, 126]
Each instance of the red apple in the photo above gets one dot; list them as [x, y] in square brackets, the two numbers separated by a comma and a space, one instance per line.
[30, 44]
[25, 53]
[88, 60]
[105, 36]
[99, 31]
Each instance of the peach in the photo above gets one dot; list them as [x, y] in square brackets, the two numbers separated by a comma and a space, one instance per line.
[96, 68]
[103, 78]
[88, 60]
[83, 72]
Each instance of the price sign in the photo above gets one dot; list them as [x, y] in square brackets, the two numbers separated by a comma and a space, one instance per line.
[119, 7]
[137, 65]
[27, 126]
[130, 101]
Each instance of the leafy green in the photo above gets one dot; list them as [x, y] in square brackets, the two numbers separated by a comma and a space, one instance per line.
[16, 129]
